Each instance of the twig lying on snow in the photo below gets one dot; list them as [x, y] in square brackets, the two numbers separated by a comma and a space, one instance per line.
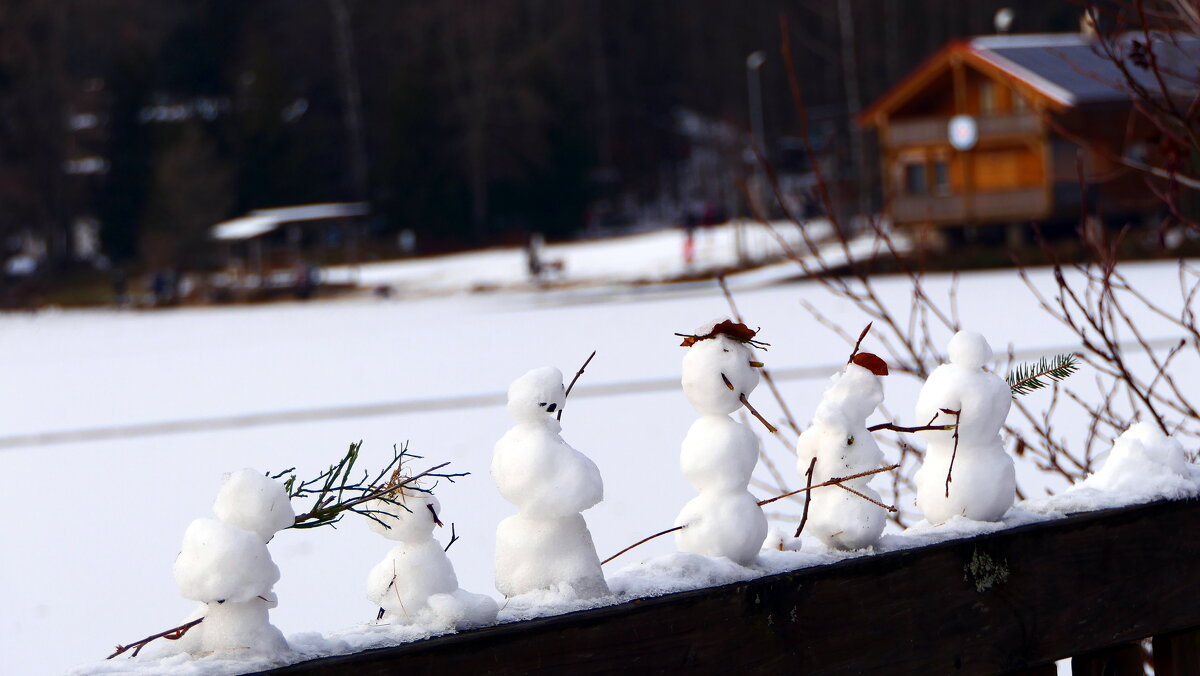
[172, 634]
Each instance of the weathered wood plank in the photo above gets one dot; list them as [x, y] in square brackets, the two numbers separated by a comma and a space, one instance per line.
[1121, 660]
[994, 603]
[1177, 654]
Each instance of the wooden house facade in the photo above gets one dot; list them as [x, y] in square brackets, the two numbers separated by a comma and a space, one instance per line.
[1000, 129]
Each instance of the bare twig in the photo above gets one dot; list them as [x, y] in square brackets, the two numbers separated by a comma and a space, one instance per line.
[453, 538]
[858, 343]
[808, 479]
[922, 428]
[957, 421]
[172, 634]
[867, 498]
[641, 542]
[746, 402]
[572, 385]
[831, 482]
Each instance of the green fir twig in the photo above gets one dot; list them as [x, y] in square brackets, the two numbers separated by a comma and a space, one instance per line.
[336, 491]
[1025, 378]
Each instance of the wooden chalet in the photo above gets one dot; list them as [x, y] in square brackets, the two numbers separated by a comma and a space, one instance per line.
[997, 130]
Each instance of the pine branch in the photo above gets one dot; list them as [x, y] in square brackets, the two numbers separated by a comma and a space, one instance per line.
[335, 491]
[1025, 378]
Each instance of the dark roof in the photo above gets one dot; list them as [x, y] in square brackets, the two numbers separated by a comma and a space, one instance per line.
[1072, 69]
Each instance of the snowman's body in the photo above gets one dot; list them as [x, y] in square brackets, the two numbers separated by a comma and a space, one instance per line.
[225, 565]
[415, 583]
[719, 454]
[839, 440]
[546, 545]
[983, 482]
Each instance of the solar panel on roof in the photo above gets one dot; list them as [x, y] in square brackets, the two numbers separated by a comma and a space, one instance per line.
[1075, 65]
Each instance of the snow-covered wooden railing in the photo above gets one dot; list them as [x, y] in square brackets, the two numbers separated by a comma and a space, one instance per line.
[1084, 586]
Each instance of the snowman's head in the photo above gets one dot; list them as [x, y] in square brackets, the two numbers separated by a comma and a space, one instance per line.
[253, 502]
[854, 394]
[969, 350]
[537, 396]
[410, 516]
[717, 371]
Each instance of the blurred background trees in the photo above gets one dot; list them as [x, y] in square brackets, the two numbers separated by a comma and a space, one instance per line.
[466, 122]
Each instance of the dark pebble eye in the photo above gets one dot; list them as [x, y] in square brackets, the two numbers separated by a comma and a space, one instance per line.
[849, 441]
[551, 408]
[724, 350]
[542, 404]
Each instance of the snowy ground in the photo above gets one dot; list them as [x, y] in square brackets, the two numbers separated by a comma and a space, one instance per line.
[87, 551]
[635, 259]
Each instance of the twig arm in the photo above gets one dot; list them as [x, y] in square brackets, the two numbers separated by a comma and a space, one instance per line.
[172, 634]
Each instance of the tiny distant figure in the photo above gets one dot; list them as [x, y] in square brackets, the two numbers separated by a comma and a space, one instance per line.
[159, 287]
[689, 244]
[306, 283]
[533, 255]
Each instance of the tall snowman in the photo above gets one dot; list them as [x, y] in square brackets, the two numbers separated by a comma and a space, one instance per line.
[546, 545]
[982, 485]
[719, 454]
[415, 583]
[839, 441]
[224, 564]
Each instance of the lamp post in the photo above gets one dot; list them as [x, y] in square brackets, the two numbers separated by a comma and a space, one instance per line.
[754, 62]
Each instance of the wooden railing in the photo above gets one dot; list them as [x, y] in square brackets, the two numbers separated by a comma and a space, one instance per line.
[933, 130]
[1031, 203]
[1016, 600]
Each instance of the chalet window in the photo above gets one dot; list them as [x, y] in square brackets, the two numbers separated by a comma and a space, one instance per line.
[1020, 103]
[941, 177]
[914, 178]
[987, 97]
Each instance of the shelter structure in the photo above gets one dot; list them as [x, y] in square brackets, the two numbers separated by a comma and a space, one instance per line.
[264, 248]
[1012, 129]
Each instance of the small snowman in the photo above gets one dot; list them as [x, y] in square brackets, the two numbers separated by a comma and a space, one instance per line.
[719, 454]
[546, 545]
[982, 485]
[415, 583]
[839, 441]
[224, 564]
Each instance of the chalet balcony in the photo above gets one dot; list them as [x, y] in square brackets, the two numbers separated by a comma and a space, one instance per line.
[933, 130]
[1009, 205]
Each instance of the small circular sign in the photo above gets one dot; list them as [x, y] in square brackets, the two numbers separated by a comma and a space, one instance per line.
[963, 132]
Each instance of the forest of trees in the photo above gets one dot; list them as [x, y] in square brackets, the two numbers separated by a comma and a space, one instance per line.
[466, 121]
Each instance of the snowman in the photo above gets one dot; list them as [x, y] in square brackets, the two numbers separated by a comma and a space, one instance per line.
[982, 485]
[224, 564]
[415, 583]
[546, 545]
[719, 454]
[839, 441]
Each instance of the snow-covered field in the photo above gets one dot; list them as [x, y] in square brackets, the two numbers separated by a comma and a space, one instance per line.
[95, 525]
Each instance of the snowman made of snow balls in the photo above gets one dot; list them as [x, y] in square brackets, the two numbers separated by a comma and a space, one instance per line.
[841, 444]
[546, 545]
[719, 454]
[415, 583]
[982, 485]
[224, 564]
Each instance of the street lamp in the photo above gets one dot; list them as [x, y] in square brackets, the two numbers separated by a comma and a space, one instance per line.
[754, 62]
